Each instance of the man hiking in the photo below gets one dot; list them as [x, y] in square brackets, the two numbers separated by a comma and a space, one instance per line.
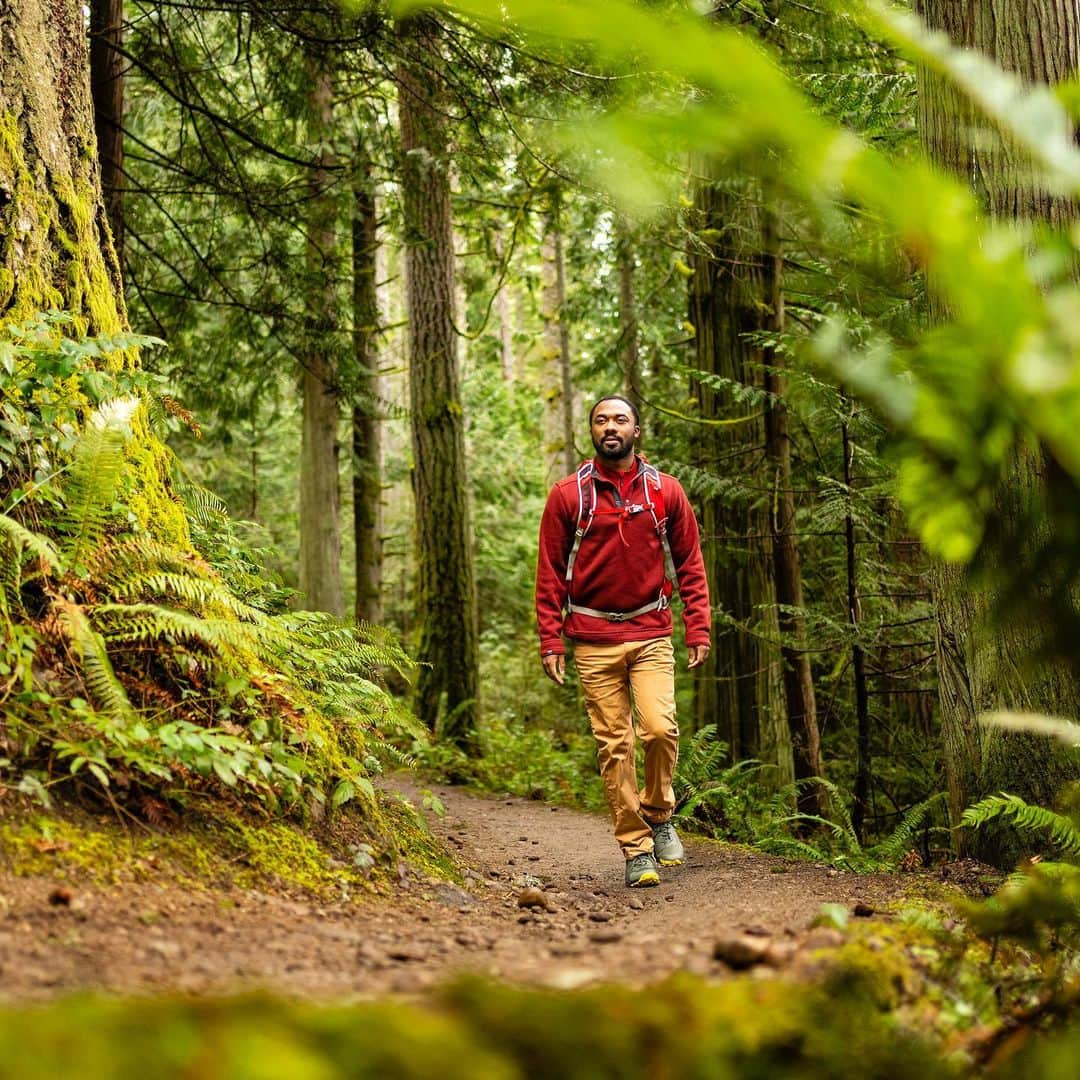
[616, 536]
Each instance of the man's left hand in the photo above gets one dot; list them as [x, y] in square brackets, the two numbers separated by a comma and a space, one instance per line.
[698, 655]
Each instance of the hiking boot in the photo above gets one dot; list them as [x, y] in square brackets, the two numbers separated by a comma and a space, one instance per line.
[667, 847]
[641, 870]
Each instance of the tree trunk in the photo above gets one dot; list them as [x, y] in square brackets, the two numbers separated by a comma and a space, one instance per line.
[984, 667]
[502, 311]
[107, 91]
[629, 353]
[787, 570]
[446, 608]
[861, 807]
[739, 688]
[56, 250]
[56, 247]
[320, 528]
[558, 386]
[366, 431]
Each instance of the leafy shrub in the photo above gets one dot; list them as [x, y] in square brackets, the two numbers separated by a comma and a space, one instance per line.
[130, 661]
[530, 762]
[730, 802]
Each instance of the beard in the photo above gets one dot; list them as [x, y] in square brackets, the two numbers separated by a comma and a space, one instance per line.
[615, 450]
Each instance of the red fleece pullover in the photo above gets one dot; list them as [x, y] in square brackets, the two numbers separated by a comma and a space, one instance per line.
[620, 564]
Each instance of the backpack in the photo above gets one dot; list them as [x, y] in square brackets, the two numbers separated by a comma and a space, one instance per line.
[653, 496]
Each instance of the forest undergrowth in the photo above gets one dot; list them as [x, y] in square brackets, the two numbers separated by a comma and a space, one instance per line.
[151, 670]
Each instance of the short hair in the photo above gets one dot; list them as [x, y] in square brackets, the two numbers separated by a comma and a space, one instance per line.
[616, 397]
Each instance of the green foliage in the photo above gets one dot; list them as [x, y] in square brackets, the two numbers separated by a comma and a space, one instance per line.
[133, 664]
[477, 1030]
[732, 803]
[521, 760]
[1063, 832]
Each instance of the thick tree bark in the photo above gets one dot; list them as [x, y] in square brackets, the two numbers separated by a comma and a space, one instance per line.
[107, 91]
[56, 250]
[983, 667]
[740, 687]
[446, 608]
[558, 385]
[366, 430]
[787, 570]
[320, 526]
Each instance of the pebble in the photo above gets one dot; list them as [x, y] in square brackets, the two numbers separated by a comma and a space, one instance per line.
[532, 897]
[862, 911]
[740, 951]
[599, 916]
[607, 936]
[636, 903]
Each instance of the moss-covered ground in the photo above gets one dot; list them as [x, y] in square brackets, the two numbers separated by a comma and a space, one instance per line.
[353, 852]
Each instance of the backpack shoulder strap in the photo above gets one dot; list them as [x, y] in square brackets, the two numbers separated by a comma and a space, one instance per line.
[653, 492]
[586, 494]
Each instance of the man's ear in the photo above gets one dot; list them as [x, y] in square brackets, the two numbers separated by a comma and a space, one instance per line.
[637, 432]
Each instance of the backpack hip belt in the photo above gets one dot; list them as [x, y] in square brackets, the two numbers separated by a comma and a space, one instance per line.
[619, 616]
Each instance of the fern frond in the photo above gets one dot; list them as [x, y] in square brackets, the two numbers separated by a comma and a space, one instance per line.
[1062, 831]
[789, 847]
[147, 624]
[23, 539]
[892, 849]
[141, 554]
[101, 680]
[91, 486]
[196, 592]
[204, 505]
[1057, 872]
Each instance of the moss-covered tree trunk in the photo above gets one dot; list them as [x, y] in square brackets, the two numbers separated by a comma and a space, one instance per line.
[446, 588]
[320, 513]
[740, 687]
[787, 569]
[983, 667]
[107, 92]
[559, 451]
[367, 447]
[55, 247]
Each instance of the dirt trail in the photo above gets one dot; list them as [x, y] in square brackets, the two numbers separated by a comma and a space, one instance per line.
[155, 937]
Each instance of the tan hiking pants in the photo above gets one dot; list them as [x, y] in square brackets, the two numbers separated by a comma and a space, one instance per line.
[612, 675]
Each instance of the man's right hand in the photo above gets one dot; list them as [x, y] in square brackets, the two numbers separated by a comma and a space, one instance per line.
[555, 667]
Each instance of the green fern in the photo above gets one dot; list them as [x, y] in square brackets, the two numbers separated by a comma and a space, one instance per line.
[197, 593]
[90, 489]
[22, 539]
[789, 847]
[99, 674]
[1062, 831]
[890, 851]
[149, 624]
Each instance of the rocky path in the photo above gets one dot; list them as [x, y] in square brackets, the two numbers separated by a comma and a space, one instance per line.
[582, 926]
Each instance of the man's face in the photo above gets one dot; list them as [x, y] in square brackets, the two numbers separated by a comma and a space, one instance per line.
[613, 429]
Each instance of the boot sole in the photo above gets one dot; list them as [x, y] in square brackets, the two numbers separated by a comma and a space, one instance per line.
[646, 879]
[671, 862]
